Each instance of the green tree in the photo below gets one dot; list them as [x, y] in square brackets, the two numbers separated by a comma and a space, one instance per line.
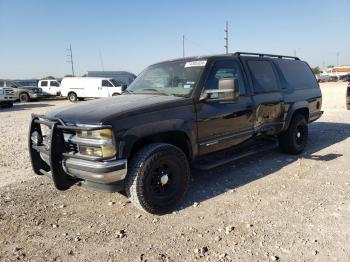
[68, 76]
[49, 78]
[316, 70]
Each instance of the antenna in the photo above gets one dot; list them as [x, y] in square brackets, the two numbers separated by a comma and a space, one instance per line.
[70, 57]
[226, 37]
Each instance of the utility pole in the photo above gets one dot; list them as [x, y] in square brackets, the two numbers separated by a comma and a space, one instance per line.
[338, 54]
[101, 60]
[183, 46]
[226, 37]
[70, 57]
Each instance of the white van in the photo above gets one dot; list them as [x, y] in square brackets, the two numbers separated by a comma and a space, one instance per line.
[50, 87]
[75, 88]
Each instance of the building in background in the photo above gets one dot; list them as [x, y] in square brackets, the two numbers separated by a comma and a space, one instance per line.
[120, 76]
[337, 71]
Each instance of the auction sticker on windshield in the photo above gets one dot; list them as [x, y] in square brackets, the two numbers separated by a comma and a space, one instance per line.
[196, 63]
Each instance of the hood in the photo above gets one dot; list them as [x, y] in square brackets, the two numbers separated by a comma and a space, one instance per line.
[29, 87]
[99, 111]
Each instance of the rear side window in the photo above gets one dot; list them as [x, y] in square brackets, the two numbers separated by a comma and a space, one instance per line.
[297, 74]
[54, 83]
[263, 76]
[43, 83]
[106, 83]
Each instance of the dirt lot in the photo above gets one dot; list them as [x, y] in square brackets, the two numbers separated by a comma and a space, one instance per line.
[268, 207]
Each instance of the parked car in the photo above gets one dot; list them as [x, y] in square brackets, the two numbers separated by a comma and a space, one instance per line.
[50, 87]
[23, 93]
[78, 88]
[7, 95]
[123, 77]
[348, 97]
[345, 78]
[201, 112]
[327, 78]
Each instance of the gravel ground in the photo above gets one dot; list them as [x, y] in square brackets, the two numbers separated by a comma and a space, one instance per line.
[265, 208]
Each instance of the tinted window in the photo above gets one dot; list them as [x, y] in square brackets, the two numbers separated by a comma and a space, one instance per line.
[43, 83]
[263, 76]
[54, 83]
[106, 83]
[2, 83]
[297, 74]
[222, 70]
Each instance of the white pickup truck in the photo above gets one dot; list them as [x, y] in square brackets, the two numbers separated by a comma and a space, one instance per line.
[7, 95]
[50, 87]
[78, 88]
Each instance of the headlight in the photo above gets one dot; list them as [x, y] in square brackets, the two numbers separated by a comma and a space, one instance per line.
[102, 134]
[96, 143]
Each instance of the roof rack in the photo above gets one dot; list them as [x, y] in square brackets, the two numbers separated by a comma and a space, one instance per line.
[266, 55]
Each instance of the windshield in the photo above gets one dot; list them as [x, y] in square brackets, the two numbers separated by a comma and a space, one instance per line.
[13, 84]
[170, 78]
[115, 82]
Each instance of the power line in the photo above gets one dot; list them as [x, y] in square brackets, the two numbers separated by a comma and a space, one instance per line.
[70, 56]
[197, 44]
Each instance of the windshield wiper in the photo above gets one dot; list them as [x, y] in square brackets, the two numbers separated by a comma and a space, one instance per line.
[154, 90]
[127, 91]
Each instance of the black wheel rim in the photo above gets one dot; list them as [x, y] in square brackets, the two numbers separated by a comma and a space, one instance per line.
[24, 98]
[162, 182]
[300, 135]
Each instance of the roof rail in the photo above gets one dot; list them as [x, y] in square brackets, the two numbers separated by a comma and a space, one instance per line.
[266, 55]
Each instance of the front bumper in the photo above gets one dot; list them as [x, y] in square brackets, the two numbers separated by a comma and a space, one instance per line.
[97, 172]
[7, 98]
[67, 168]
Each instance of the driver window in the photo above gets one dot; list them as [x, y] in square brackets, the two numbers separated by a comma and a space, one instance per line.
[225, 69]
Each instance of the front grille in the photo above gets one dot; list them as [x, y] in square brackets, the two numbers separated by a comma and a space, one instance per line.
[8, 91]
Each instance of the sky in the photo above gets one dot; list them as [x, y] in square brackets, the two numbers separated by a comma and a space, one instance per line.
[130, 35]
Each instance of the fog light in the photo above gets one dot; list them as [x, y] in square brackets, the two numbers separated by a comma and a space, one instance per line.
[103, 151]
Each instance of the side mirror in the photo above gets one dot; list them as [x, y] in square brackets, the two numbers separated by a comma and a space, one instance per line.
[228, 91]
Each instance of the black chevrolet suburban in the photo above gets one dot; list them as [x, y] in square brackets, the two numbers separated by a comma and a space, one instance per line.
[198, 112]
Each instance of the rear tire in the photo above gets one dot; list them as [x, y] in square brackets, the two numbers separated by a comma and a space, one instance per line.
[294, 139]
[24, 97]
[158, 178]
[72, 97]
[116, 94]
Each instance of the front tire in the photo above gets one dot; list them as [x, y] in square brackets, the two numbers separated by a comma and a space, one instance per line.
[158, 178]
[24, 98]
[294, 139]
[72, 97]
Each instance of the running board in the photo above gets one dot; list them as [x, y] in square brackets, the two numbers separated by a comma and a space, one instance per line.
[221, 159]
